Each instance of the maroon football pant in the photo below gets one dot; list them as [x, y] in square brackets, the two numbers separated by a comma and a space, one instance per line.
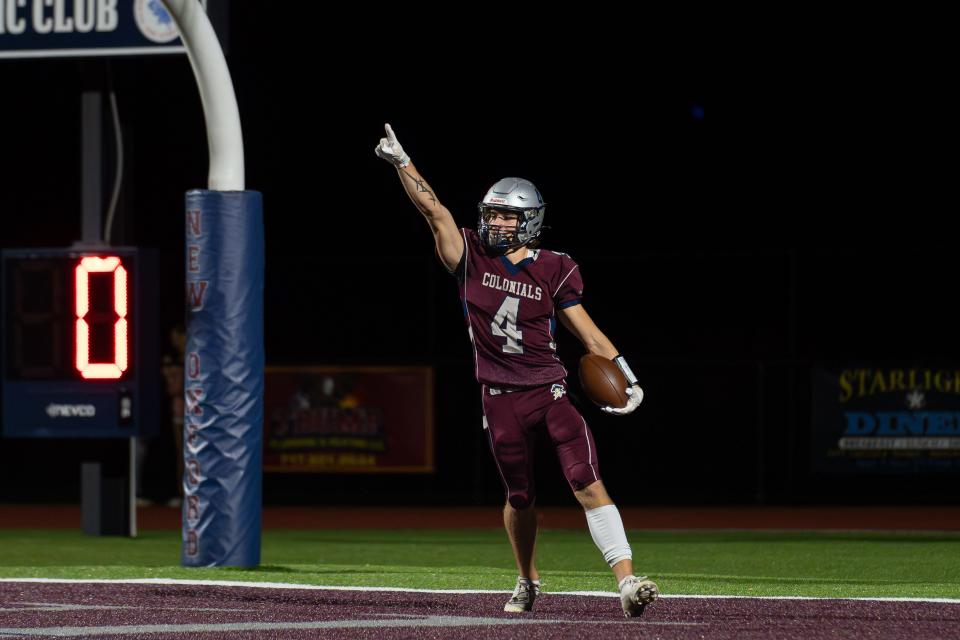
[513, 421]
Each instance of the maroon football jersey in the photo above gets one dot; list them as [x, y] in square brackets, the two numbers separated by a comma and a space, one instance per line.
[511, 312]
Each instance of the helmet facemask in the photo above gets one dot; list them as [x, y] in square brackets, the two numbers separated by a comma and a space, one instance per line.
[503, 238]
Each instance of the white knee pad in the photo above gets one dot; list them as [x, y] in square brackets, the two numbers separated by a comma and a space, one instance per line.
[606, 528]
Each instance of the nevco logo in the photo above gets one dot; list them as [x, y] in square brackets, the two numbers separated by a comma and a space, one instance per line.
[71, 410]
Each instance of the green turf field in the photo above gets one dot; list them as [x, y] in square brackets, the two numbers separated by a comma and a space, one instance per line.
[690, 562]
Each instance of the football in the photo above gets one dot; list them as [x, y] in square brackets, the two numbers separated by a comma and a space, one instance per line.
[603, 382]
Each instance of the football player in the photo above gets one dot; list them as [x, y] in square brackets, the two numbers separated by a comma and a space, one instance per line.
[512, 292]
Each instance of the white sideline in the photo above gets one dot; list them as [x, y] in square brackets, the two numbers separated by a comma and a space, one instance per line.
[287, 585]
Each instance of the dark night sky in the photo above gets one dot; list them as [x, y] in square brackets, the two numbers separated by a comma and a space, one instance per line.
[783, 196]
[604, 129]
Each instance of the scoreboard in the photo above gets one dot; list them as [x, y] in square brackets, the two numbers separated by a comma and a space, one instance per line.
[80, 343]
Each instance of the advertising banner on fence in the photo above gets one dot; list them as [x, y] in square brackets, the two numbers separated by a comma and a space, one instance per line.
[892, 419]
[348, 419]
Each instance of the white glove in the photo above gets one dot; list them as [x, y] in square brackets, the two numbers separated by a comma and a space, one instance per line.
[635, 394]
[391, 151]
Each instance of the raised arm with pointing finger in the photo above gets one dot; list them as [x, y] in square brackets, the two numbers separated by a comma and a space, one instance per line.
[445, 232]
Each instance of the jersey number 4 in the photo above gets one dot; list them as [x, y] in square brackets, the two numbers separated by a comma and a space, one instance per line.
[505, 325]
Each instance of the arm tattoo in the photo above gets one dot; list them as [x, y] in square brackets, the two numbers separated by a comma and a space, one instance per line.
[421, 185]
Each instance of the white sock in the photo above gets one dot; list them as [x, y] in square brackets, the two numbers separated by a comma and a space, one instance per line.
[620, 584]
[523, 580]
[606, 528]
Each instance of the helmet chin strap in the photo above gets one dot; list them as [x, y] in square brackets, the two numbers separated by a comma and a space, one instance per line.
[509, 246]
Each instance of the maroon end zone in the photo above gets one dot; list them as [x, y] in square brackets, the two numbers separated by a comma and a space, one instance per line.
[97, 610]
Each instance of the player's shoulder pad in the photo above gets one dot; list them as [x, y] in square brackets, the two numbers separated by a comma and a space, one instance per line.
[563, 258]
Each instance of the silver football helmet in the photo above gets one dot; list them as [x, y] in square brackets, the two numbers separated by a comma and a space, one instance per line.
[511, 195]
